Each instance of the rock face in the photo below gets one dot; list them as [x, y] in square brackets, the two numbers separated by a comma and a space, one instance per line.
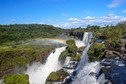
[114, 69]
[123, 49]
[118, 51]
[79, 35]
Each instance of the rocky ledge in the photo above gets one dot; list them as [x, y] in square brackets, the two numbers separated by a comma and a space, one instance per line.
[114, 69]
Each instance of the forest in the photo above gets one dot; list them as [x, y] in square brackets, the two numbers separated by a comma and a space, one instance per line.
[16, 32]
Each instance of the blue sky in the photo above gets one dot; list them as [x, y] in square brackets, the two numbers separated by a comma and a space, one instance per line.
[63, 13]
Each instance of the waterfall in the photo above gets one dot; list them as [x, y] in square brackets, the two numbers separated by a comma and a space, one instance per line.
[86, 71]
[79, 43]
[87, 74]
[84, 60]
[87, 37]
[67, 60]
[39, 72]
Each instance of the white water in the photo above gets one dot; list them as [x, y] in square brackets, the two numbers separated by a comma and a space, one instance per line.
[67, 60]
[84, 60]
[84, 68]
[39, 72]
[84, 78]
[1, 81]
[79, 43]
[87, 37]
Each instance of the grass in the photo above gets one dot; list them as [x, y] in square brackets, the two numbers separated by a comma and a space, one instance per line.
[16, 79]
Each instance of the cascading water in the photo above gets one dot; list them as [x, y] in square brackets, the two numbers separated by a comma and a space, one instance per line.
[67, 60]
[84, 59]
[86, 37]
[87, 74]
[79, 43]
[39, 72]
[86, 71]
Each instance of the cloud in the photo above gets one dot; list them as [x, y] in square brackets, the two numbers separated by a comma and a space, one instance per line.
[124, 11]
[110, 19]
[56, 25]
[115, 3]
[73, 19]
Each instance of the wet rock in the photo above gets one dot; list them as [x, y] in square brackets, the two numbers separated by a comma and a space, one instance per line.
[114, 69]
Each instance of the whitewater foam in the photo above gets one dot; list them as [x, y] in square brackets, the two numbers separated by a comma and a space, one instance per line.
[39, 72]
[86, 71]
[67, 60]
[84, 76]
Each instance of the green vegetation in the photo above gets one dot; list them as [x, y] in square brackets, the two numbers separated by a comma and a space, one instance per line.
[96, 52]
[57, 76]
[16, 52]
[11, 58]
[16, 79]
[111, 35]
[76, 58]
[81, 49]
[63, 56]
[9, 33]
[71, 50]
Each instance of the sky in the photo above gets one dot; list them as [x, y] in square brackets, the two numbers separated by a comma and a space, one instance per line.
[63, 13]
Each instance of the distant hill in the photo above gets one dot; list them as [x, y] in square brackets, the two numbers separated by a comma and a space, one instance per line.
[18, 32]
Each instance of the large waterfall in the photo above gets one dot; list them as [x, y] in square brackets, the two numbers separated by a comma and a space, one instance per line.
[39, 72]
[85, 69]
[86, 39]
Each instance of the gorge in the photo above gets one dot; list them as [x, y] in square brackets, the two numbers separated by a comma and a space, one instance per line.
[38, 72]
[77, 71]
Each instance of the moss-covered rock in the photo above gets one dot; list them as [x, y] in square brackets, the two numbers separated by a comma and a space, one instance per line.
[63, 56]
[81, 49]
[71, 50]
[76, 58]
[57, 76]
[16, 79]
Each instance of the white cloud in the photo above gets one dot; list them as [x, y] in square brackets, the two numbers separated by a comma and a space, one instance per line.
[89, 18]
[56, 25]
[110, 19]
[73, 19]
[124, 11]
[115, 3]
